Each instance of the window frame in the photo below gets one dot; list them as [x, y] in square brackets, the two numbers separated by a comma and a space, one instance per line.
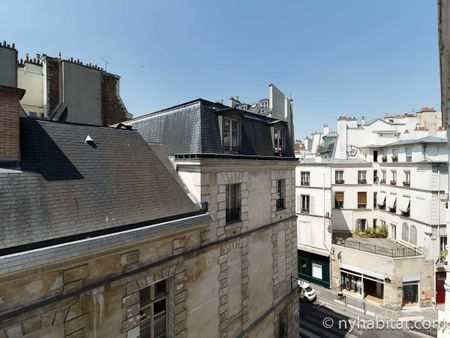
[339, 177]
[362, 176]
[281, 194]
[305, 198]
[305, 178]
[147, 310]
[278, 139]
[232, 203]
[339, 204]
[234, 134]
[361, 205]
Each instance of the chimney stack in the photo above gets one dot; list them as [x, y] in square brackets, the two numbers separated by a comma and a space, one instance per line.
[10, 124]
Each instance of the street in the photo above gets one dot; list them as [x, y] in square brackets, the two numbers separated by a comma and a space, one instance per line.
[318, 320]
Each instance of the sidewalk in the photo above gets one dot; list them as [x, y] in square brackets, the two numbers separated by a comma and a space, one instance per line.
[358, 307]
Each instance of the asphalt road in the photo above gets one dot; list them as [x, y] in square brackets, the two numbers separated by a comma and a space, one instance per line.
[320, 321]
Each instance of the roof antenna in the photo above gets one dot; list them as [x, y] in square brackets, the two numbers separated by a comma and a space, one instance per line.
[106, 64]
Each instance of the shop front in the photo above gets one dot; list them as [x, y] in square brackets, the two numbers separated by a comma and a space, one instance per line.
[314, 268]
[361, 284]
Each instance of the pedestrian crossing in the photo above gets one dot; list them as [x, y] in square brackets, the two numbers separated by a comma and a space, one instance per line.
[316, 323]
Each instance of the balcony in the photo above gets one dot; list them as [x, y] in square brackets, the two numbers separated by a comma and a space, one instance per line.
[393, 182]
[362, 206]
[406, 184]
[383, 181]
[379, 246]
[339, 181]
[384, 158]
[304, 211]
[362, 181]
[375, 179]
[304, 183]
[408, 158]
[394, 158]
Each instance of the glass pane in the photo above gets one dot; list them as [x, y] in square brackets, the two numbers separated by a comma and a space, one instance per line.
[145, 330]
[226, 132]
[159, 307]
[234, 133]
[160, 289]
[160, 326]
[144, 296]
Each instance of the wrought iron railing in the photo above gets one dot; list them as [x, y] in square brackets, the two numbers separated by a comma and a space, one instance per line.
[379, 250]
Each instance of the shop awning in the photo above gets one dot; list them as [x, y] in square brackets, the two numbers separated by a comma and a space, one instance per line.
[404, 203]
[391, 201]
[381, 198]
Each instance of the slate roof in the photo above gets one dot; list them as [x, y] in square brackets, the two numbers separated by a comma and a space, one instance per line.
[67, 187]
[193, 128]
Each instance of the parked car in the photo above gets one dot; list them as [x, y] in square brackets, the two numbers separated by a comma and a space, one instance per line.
[306, 291]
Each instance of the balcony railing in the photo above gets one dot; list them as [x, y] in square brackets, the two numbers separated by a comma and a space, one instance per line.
[394, 158]
[393, 182]
[304, 183]
[408, 158]
[384, 159]
[375, 179]
[383, 181]
[233, 215]
[406, 184]
[339, 181]
[362, 206]
[304, 211]
[379, 250]
[362, 181]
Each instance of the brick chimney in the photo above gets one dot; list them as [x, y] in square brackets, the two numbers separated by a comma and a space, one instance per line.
[9, 124]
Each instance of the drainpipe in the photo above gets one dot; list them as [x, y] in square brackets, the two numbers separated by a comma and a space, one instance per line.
[438, 236]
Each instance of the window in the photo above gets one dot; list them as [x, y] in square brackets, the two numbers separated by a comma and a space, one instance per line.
[375, 155]
[361, 224]
[374, 223]
[153, 312]
[394, 155]
[339, 176]
[233, 203]
[408, 153]
[375, 176]
[394, 177]
[279, 140]
[407, 181]
[383, 176]
[230, 132]
[281, 192]
[317, 270]
[362, 177]
[304, 178]
[305, 204]
[413, 235]
[405, 232]
[362, 200]
[394, 231]
[443, 242]
[375, 200]
[339, 199]
[303, 267]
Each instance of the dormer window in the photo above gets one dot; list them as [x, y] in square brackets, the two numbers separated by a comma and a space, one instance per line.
[230, 134]
[278, 140]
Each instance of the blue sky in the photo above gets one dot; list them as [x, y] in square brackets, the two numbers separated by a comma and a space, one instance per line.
[346, 57]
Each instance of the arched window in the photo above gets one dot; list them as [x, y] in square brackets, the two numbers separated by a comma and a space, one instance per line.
[413, 235]
[405, 232]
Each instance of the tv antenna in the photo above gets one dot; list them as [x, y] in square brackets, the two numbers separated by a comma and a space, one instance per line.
[106, 64]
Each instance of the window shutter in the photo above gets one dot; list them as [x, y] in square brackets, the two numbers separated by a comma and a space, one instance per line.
[299, 203]
[311, 205]
[339, 195]
[362, 198]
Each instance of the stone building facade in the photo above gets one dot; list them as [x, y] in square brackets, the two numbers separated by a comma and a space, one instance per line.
[249, 191]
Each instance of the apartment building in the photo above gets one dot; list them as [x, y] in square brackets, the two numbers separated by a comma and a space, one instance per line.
[66, 90]
[387, 189]
[239, 164]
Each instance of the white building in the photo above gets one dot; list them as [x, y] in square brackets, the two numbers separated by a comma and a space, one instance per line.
[381, 175]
